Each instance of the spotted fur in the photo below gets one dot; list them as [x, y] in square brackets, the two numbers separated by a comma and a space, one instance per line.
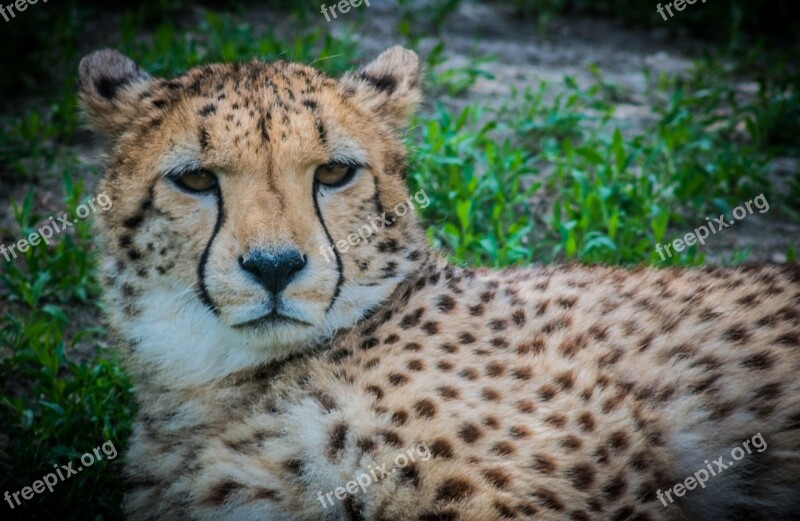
[565, 392]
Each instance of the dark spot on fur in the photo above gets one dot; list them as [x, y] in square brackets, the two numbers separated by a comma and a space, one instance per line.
[495, 369]
[410, 473]
[444, 365]
[430, 327]
[263, 127]
[325, 400]
[441, 448]
[504, 448]
[469, 373]
[337, 439]
[497, 477]
[448, 393]
[425, 408]
[737, 334]
[449, 348]
[581, 476]
[571, 442]
[220, 492]
[492, 422]
[208, 109]
[548, 499]
[441, 515]
[391, 438]
[399, 418]
[526, 406]
[375, 390]
[586, 421]
[614, 489]
[547, 392]
[470, 432]
[556, 420]
[397, 379]
[415, 365]
[454, 489]
[412, 319]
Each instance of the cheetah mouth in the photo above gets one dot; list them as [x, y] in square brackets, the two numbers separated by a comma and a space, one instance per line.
[273, 318]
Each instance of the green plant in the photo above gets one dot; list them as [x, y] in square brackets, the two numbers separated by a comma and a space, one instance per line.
[54, 408]
[478, 189]
[59, 272]
[454, 81]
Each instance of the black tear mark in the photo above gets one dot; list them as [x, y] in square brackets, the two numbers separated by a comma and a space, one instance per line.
[207, 110]
[204, 296]
[339, 267]
[107, 87]
[383, 83]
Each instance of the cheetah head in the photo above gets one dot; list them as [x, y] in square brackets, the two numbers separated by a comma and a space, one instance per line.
[241, 195]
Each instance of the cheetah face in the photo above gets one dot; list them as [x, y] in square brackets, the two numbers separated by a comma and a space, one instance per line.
[231, 186]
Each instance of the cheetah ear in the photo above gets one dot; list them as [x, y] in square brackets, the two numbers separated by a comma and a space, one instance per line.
[110, 84]
[388, 86]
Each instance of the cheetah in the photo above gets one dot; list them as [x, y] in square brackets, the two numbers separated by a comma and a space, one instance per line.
[380, 382]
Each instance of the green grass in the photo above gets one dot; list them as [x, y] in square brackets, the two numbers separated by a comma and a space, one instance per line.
[546, 177]
[55, 409]
[613, 196]
[479, 197]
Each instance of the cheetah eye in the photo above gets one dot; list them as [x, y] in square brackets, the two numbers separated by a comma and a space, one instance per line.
[334, 175]
[196, 181]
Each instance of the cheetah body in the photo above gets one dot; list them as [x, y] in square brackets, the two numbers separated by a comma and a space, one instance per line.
[565, 392]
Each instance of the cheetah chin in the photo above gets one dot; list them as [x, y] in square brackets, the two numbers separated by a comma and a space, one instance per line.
[271, 379]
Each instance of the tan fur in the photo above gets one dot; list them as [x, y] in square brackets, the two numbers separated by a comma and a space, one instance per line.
[564, 392]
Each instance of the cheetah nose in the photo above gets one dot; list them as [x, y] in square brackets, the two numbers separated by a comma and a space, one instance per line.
[273, 269]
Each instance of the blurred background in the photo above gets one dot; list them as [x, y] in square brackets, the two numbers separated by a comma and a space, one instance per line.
[553, 131]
